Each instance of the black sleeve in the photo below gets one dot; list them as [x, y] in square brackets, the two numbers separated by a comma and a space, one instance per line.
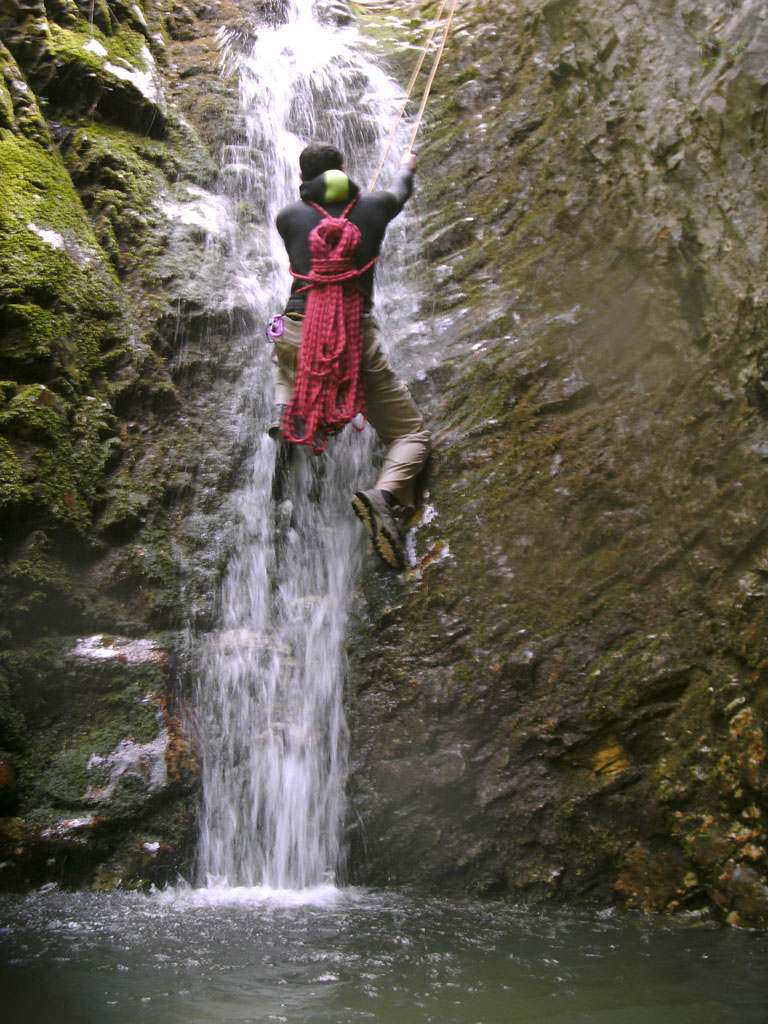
[281, 223]
[401, 187]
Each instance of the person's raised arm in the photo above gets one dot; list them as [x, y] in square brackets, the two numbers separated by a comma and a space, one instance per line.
[402, 183]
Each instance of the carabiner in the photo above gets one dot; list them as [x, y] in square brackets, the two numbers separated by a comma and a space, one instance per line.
[275, 326]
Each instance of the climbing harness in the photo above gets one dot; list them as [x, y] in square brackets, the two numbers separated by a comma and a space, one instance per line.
[427, 89]
[328, 391]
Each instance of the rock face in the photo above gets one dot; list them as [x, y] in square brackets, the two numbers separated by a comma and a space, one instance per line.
[117, 817]
[109, 324]
[567, 699]
[573, 703]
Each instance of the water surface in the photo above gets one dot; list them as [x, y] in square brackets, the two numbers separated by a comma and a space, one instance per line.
[329, 956]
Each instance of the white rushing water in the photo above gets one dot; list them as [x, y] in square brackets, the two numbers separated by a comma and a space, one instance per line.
[270, 710]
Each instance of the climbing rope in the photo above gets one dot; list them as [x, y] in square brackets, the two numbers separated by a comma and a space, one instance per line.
[328, 392]
[412, 83]
[417, 68]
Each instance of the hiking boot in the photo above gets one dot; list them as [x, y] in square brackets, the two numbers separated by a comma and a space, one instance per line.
[384, 521]
[275, 428]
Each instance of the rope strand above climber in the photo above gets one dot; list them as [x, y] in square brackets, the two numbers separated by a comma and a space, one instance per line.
[427, 89]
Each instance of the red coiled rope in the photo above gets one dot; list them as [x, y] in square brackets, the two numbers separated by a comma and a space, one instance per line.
[328, 392]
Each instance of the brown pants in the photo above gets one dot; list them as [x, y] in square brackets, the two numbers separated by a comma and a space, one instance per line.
[389, 407]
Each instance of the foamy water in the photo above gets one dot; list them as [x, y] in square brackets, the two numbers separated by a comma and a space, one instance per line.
[270, 711]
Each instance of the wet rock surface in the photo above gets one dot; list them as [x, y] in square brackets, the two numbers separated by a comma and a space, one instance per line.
[103, 793]
[568, 698]
[572, 704]
[112, 121]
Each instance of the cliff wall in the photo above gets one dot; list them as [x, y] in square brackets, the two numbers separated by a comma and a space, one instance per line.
[114, 347]
[572, 703]
[567, 698]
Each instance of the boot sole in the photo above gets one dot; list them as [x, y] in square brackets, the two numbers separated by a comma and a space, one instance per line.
[388, 549]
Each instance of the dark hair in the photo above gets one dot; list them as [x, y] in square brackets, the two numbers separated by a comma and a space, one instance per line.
[318, 157]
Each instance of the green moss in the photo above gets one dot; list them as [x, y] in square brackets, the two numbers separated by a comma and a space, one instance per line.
[88, 63]
[73, 353]
[128, 502]
[7, 116]
[467, 74]
[389, 34]
[100, 15]
[34, 414]
[74, 444]
[44, 591]
[56, 297]
[99, 706]
[154, 563]
[13, 729]
[57, 312]
[30, 331]
[131, 46]
[37, 566]
[69, 46]
[13, 491]
[119, 179]
[37, 583]
[35, 187]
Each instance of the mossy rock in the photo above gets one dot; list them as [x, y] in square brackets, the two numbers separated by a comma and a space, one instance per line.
[97, 759]
[80, 66]
[14, 493]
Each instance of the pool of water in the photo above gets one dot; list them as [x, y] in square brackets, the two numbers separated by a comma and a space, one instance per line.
[339, 956]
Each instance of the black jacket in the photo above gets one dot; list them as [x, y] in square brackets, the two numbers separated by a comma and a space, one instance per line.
[371, 214]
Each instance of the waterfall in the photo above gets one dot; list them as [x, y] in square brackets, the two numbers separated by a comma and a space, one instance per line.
[270, 715]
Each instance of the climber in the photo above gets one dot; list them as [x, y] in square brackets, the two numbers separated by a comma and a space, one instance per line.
[336, 231]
